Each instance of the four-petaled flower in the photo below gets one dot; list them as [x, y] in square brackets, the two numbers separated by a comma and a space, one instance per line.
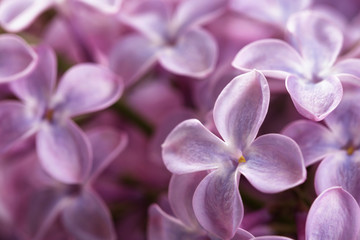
[61, 144]
[312, 77]
[272, 162]
[337, 145]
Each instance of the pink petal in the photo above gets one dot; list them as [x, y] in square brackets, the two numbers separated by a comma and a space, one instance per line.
[217, 203]
[17, 58]
[181, 192]
[344, 121]
[105, 6]
[16, 15]
[88, 218]
[274, 58]
[241, 108]
[273, 163]
[242, 234]
[314, 100]
[87, 88]
[190, 147]
[347, 66]
[64, 152]
[162, 226]
[44, 208]
[156, 101]
[317, 39]
[314, 140]
[132, 56]
[339, 169]
[148, 17]
[334, 215]
[16, 123]
[37, 87]
[106, 144]
[190, 13]
[194, 54]
[269, 11]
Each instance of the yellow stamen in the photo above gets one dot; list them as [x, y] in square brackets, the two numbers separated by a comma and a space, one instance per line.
[242, 160]
[49, 114]
[350, 150]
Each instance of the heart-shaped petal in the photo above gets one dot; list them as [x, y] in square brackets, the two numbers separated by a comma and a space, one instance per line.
[314, 100]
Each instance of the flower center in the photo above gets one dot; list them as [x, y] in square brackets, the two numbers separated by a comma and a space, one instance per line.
[350, 150]
[49, 114]
[242, 160]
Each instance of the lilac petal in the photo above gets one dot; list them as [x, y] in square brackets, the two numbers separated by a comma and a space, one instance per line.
[314, 140]
[242, 234]
[16, 15]
[181, 192]
[148, 17]
[64, 151]
[190, 13]
[241, 108]
[37, 87]
[269, 11]
[87, 88]
[105, 6]
[334, 215]
[17, 58]
[347, 66]
[315, 100]
[106, 144]
[87, 217]
[317, 39]
[162, 226]
[342, 170]
[194, 54]
[44, 207]
[217, 203]
[16, 123]
[344, 121]
[132, 56]
[273, 163]
[190, 147]
[268, 57]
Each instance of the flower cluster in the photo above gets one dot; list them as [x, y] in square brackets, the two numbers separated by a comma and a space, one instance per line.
[179, 119]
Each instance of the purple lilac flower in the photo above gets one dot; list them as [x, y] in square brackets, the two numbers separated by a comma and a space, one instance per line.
[175, 40]
[272, 162]
[336, 144]
[82, 212]
[309, 65]
[16, 15]
[61, 145]
[269, 11]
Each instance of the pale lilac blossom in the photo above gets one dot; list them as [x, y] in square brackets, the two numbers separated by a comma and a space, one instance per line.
[336, 144]
[16, 15]
[275, 12]
[272, 163]
[81, 210]
[61, 145]
[308, 64]
[174, 39]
